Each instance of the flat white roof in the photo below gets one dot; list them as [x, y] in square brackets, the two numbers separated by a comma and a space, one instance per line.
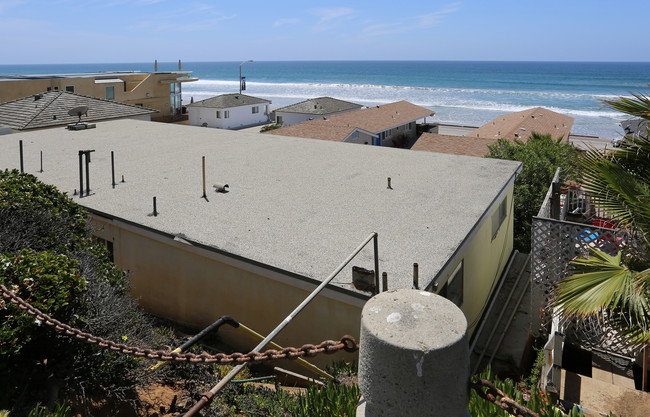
[300, 205]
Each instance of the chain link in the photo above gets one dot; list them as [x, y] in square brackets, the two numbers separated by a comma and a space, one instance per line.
[500, 399]
[347, 343]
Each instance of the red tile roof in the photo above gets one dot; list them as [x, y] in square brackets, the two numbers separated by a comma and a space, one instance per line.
[455, 145]
[372, 119]
[521, 124]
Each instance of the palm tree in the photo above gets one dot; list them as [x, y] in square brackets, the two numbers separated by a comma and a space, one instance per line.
[616, 288]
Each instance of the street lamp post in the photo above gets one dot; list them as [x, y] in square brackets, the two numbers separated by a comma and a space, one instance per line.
[250, 60]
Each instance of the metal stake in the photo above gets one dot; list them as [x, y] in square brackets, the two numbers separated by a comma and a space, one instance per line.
[81, 174]
[376, 244]
[113, 168]
[204, 196]
[155, 212]
[20, 145]
[384, 278]
[41, 162]
[415, 276]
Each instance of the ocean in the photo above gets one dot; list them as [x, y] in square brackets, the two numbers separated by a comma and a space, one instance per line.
[460, 92]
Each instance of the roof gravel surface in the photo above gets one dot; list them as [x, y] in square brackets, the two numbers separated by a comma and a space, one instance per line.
[296, 204]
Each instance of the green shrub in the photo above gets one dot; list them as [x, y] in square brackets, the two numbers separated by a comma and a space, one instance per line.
[328, 401]
[46, 281]
[534, 399]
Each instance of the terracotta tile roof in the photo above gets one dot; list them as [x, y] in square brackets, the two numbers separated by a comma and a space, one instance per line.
[521, 124]
[455, 145]
[372, 119]
[320, 106]
[51, 109]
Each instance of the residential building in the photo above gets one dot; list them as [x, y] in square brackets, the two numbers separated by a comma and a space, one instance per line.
[455, 145]
[51, 109]
[294, 210]
[229, 111]
[520, 125]
[153, 90]
[312, 109]
[392, 125]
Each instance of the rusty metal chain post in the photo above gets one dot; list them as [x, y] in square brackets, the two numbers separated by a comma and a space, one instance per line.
[500, 399]
[347, 343]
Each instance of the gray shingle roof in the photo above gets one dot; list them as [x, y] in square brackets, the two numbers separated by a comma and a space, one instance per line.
[227, 101]
[51, 109]
[320, 106]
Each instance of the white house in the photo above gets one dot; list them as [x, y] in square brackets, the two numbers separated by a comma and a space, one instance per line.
[229, 111]
[312, 109]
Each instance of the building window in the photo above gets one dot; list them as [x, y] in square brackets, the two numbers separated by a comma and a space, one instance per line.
[499, 216]
[110, 93]
[69, 88]
[453, 288]
[218, 114]
[256, 109]
[278, 120]
[226, 114]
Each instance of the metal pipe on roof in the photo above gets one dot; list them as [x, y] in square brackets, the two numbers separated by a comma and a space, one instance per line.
[20, 146]
[81, 174]
[203, 158]
[384, 278]
[113, 168]
[415, 276]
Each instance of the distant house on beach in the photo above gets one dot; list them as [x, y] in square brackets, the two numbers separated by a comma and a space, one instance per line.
[312, 109]
[50, 109]
[520, 125]
[229, 111]
[392, 125]
[295, 209]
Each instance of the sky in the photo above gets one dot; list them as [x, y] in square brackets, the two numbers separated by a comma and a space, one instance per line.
[90, 31]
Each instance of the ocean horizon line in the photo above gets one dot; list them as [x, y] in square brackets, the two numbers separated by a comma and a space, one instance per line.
[175, 62]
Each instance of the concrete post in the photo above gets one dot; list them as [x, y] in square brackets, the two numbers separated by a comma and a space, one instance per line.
[413, 356]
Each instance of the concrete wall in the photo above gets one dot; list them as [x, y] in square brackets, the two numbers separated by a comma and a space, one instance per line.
[241, 116]
[195, 286]
[141, 88]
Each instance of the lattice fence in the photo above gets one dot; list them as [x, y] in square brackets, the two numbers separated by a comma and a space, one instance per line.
[554, 244]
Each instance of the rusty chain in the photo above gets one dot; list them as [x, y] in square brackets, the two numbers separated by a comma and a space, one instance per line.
[500, 399]
[347, 343]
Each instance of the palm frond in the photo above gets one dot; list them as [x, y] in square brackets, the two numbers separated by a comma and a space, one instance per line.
[638, 105]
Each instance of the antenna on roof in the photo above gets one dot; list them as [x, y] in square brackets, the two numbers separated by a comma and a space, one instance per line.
[78, 111]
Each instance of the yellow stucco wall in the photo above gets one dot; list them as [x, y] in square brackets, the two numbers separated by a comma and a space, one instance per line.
[484, 260]
[195, 286]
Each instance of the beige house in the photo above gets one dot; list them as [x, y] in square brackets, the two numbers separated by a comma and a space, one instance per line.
[153, 90]
[294, 210]
[392, 125]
